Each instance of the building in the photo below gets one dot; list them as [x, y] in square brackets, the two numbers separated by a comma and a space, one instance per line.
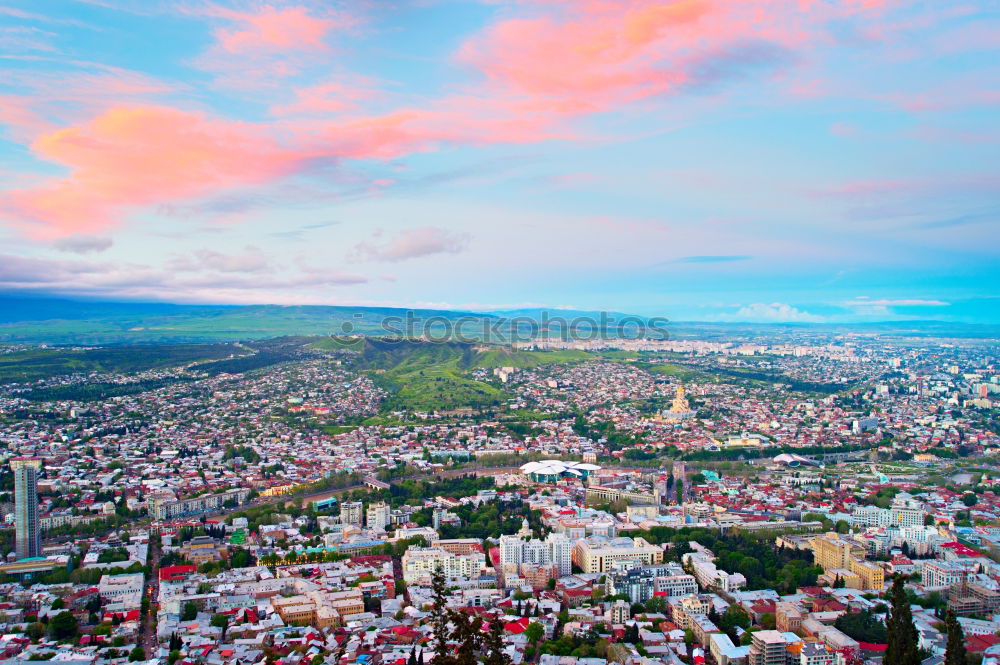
[787, 617]
[972, 598]
[811, 653]
[620, 612]
[904, 512]
[419, 563]
[836, 554]
[767, 648]
[352, 512]
[680, 409]
[202, 549]
[709, 576]
[555, 550]
[126, 589]
[598, 555]
[943, 573]
[27, 530]
[641, 583]
[684, 609]
[378, 516]
[597, 494]
[551, 471]
[165, 506]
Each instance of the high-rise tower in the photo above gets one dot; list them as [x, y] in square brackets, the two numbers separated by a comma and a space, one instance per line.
[27, 532]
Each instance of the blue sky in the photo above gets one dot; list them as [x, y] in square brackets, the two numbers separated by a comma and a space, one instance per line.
[726, 160]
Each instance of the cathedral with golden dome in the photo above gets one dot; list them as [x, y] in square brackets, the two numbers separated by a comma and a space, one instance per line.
[680, 409]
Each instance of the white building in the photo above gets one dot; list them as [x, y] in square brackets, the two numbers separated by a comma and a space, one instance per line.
[711, 577]
[556, 550]
[420, 562]
[378, 516]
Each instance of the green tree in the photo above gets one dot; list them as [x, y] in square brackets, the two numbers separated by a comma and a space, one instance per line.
[955, 651]
[136, 654]
[189, 612]
[494, 645]
[970, 499]
[439, 621]
[534, 632]
[63, 626]
[36, 631]
[901, 634]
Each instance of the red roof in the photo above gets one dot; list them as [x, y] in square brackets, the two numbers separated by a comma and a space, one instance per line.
[980, 643]
[517, 627]
[875, 648]
[960, 549]
[174, 573]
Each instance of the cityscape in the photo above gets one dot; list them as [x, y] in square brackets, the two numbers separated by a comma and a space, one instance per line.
[499, 332]
[630, 501]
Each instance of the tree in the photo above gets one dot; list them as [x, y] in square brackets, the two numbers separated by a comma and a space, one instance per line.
[439, 620]
[767, 621]
[534, 632]
[189, 612]
[137, 654]
[955, 651]
[36, 631]
[734, 617]
[63, 626]
[220, 621]
[970, 499]
[901, 634]
[494, 644]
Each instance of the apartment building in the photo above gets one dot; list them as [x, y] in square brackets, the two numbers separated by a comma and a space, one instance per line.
[419, 563]
[599, 555]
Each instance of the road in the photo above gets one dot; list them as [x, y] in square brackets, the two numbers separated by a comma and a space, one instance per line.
[147, 631]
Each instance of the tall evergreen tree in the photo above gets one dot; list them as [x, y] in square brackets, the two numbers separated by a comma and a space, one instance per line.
[439, 621]
[955, 653]
[493, 645]
[901, 634]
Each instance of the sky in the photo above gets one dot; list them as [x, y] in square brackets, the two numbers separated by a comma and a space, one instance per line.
[716, 160]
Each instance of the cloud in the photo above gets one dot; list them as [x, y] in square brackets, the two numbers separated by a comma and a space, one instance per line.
[771, 313]
[411, 244]
[250, 260]
[83, 244]
[711, 258]
[262, 46]
[221, 282]
[591, 56]
[899, 302]
[132, 157]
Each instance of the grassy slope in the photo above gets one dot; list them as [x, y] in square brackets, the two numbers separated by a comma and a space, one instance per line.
[45, 363]
[434, 376]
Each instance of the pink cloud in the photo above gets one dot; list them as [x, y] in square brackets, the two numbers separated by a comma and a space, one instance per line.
[273, 29]
[329, 98]
[129, 157]
[256, 49]
[598, 55]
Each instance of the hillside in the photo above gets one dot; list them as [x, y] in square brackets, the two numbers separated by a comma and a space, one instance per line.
[425, 376]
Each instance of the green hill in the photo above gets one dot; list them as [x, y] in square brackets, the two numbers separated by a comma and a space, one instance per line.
[435, 376]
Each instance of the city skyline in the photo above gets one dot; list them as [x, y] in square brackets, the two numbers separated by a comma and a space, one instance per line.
[707, 160]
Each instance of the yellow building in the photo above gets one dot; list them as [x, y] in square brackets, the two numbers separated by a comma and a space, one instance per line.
[598, 555]
[320, 609]
[838, 555]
